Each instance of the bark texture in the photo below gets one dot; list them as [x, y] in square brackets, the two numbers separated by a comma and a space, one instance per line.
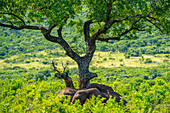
[84, 75]
[67, 79]
[64, 75]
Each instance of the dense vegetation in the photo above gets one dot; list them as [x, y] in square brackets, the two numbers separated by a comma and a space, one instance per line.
[12, 43]
[34, 88]
[155, 43]
[135, 63]
[145, 89]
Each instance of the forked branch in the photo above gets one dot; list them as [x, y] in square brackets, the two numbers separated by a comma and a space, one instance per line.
[63, 75]
[155, 25]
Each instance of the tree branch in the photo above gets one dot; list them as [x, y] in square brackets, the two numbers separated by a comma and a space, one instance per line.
[155, 25]
[51, 28]
[59, 32]
[105, 28]
[90, 46]
[118, 38]
[122, 34]
[46, 33]
[86, 28]
[61, 27]
[15, 16]
[153, 18]
[109, 8]
[64, 75]
[23, 27]
[108, 24]
[64, 44]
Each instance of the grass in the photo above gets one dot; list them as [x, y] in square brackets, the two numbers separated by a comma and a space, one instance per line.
[116, 59]
[100, 59]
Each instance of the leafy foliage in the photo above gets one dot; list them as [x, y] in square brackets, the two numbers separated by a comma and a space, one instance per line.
[34, 89]
[29, 95]
[12, 44]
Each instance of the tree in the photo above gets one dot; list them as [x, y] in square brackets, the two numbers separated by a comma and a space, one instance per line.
[106, 20]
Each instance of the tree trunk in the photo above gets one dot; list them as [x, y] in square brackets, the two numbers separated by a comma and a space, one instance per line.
[84, 74]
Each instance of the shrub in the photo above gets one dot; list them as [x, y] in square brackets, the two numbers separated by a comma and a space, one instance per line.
[167, 56]
[127, 56]
[120, 60]
[22, 70]
[45, 62]
[111, 58]
[27, 61]
[165, 60]
[104, 59]
[121, 65]
[7, 61]
[154, 75]
[99, 61]
[145, 77]
[148, 60]
[42, 75]
[2, 53]
[16, 67]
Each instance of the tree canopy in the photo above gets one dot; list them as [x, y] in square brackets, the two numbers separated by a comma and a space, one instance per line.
[116, 18]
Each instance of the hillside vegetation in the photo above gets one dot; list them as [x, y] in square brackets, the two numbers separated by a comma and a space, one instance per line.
[136, 69]
[15, 42]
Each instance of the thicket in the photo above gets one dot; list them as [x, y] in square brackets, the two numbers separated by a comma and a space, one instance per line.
[145, 89]
[35, 90]
[146, 43]
[12, 43]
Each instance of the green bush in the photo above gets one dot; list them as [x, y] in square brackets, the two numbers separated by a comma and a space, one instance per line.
[104, 59]
[27, 61]
[145, 77]
[154, 75]
[165, 60]
[7, 61]
[42, 75]
[121, 65]
[110, 58]
[120, 60]
[127, 56]
[148, 60]
[45, 62]
[35, 90]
